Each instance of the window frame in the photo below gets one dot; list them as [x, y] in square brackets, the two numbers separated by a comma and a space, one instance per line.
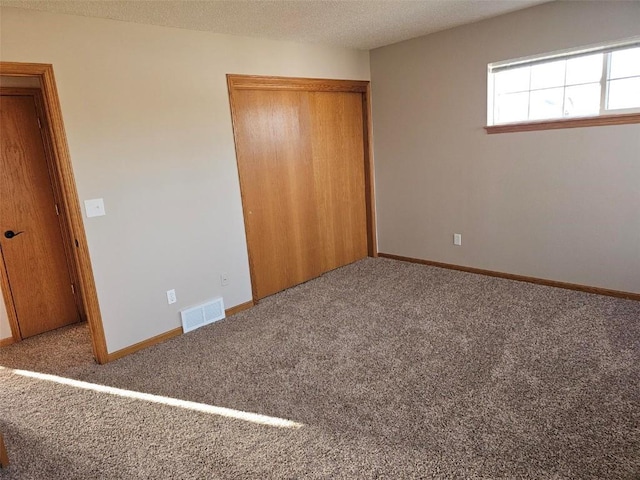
[604, 117]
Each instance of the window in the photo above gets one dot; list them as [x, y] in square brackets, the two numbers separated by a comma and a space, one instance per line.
[595, 82]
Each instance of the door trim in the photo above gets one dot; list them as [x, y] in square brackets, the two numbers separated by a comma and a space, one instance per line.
[63, 176]
[256, 82]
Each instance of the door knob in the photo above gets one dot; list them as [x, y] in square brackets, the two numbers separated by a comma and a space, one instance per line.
[11, 234]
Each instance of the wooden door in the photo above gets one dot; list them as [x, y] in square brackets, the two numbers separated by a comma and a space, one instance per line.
[301, 160]
[30, 233]
[337, 141]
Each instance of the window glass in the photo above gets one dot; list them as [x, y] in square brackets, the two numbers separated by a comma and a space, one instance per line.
[587, 69]
[546, 103]
[582, 100]
[512, 80]
[624, 93]
[512, 107]
[625, 63]
[545, 75]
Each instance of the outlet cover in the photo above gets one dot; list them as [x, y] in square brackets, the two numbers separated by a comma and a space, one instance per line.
[457, 239]
[171, 296]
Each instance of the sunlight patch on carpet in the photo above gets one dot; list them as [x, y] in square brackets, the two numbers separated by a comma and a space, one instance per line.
[172, 402]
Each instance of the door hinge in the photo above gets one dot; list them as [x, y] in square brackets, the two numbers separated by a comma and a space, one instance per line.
[57, 210]
[73, 289]
[39, 123]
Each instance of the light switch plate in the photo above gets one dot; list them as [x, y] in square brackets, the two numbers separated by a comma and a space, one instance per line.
[94, 207]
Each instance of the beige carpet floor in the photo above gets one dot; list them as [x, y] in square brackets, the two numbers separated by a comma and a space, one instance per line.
[388, 369]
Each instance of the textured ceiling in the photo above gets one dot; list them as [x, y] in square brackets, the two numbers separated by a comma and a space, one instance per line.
[362, 24]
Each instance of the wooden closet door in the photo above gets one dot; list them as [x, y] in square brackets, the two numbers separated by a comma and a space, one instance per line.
[276, 169]
[336, 122]
[301, 164]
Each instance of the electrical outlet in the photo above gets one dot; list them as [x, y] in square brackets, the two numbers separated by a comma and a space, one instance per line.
[171, 296]
[224, 279]
[457, 239]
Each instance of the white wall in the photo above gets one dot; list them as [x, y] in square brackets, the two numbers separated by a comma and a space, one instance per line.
[557, 204]
[148, 123]
[5, 329]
